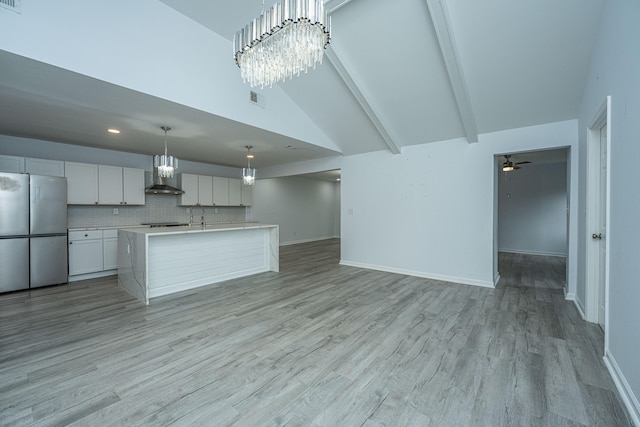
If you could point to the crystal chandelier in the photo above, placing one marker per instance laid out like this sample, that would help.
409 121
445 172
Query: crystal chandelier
165 164
286 39
249 173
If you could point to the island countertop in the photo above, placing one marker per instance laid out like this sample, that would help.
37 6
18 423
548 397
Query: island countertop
196 228
157 261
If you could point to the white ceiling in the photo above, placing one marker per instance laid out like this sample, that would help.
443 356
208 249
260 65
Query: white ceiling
396 74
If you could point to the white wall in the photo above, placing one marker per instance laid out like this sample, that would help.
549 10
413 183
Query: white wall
146 46
429 211
305 209
532 210
615 71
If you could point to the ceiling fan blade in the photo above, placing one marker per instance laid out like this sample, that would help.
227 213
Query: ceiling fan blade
516 167
523 163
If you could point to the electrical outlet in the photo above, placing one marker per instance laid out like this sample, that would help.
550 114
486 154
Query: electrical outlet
115 211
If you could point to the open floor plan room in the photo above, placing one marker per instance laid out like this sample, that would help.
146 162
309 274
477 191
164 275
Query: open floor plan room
317 344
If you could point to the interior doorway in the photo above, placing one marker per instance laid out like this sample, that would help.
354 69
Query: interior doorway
597 242
532 209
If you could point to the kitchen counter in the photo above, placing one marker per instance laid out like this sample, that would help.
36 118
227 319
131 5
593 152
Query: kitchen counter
157 261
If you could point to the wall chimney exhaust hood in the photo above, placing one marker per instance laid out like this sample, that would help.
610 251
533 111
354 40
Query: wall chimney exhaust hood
161 187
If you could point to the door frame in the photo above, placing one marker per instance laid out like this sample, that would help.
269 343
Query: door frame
602 117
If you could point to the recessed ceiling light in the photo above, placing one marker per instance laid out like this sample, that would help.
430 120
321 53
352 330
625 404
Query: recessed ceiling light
116 131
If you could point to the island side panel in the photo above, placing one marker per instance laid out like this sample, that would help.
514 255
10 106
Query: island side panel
132 254
177 262
273 246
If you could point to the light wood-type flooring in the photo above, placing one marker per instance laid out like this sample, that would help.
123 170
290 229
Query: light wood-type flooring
317 344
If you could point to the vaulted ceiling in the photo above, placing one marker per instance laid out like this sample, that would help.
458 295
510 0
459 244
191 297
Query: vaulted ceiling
396 74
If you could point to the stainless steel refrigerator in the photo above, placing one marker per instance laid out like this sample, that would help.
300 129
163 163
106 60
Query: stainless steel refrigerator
33 231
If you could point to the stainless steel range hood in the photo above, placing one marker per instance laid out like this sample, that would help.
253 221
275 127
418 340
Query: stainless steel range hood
160 186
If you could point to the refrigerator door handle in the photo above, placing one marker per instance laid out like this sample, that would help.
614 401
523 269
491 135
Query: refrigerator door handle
36 194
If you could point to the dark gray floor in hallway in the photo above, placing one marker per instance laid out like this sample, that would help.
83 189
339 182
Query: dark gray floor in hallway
317 344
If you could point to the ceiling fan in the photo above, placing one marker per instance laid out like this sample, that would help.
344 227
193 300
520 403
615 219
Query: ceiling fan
509 166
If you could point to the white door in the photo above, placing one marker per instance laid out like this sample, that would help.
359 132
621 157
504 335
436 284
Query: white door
601 236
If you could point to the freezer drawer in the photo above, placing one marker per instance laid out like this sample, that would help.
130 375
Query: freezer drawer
48 260
14 262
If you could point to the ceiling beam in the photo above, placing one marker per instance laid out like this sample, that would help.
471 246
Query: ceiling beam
332 5
444 33
334 58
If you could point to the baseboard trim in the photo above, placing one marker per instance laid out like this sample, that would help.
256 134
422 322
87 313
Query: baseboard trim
524 252
628 398
569 296
444 278
496 280
580 310
314 239
96 275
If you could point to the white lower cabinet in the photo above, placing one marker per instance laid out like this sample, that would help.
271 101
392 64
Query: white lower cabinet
85 252
93 252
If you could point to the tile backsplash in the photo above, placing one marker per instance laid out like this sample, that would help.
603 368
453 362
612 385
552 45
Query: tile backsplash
157 208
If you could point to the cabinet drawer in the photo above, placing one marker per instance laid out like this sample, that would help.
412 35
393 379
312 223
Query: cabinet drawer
108 234
85 235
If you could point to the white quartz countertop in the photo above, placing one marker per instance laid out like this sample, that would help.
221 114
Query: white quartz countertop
196 228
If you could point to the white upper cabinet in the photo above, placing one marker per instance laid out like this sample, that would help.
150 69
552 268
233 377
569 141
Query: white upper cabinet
202 190
205 190
120 186
133 186
82 183
89 184
11 164
220 191
189 184
198 190
109 185
235 192
44 167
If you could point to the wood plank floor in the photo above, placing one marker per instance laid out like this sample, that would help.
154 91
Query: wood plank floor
317 344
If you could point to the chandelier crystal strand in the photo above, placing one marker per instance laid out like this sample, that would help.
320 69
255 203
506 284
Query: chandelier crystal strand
249 173
165 164
287 39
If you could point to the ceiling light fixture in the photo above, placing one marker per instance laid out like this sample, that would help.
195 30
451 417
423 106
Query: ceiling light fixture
166 165
112 130
286 39
507 166
249 173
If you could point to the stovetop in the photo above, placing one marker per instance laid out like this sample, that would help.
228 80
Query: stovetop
163 224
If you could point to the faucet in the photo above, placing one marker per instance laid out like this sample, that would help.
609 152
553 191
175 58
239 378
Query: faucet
202 217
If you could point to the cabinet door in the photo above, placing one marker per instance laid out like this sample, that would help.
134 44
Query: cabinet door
220 191
85 256
247 195
109 185
110 253
44 167
133 186
82 183
235 191
11 164
205 190
189 184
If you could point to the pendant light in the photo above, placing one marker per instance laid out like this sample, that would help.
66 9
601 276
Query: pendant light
165 164
249 173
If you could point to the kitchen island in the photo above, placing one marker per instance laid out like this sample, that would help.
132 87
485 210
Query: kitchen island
160 261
